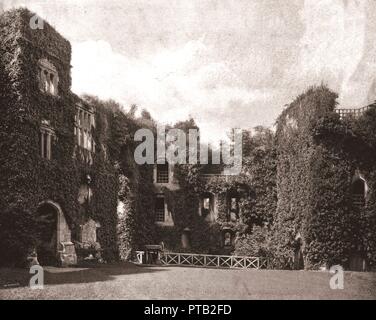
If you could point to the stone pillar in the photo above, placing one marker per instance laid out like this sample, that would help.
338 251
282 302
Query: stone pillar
66 251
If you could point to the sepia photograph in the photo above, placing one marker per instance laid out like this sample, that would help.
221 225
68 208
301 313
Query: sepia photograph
189 155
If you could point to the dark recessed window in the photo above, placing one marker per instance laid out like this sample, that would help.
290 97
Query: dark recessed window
83 130
162 173
46 135
48 77
160 209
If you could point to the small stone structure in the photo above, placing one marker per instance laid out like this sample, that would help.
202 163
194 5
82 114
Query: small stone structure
89 231
88 247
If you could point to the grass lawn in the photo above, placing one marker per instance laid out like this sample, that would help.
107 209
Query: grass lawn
128 281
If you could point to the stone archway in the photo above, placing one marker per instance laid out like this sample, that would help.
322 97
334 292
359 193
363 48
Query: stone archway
55 247
359 190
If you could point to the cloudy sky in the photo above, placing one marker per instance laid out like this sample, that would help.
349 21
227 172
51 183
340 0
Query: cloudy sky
227 63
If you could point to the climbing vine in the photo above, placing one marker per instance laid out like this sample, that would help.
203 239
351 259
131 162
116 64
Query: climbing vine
293 192
27 180
317 160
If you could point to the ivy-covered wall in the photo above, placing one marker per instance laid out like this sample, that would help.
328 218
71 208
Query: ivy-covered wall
363 146
254 188
27 179
294 190
317 160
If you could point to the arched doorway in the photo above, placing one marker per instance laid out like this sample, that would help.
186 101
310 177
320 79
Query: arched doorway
358 192
47 224
359 189
55 245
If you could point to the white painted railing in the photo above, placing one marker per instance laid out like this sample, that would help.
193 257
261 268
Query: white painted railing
208 260
353 113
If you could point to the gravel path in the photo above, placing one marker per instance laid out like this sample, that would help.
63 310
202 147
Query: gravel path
127 281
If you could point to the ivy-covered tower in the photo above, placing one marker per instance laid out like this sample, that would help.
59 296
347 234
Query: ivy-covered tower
49 168
325 184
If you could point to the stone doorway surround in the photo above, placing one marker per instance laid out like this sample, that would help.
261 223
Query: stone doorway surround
66 253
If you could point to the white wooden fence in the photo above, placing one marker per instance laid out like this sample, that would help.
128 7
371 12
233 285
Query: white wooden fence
208 260
353 113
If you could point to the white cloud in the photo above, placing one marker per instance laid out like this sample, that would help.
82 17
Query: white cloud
226 64
171 84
